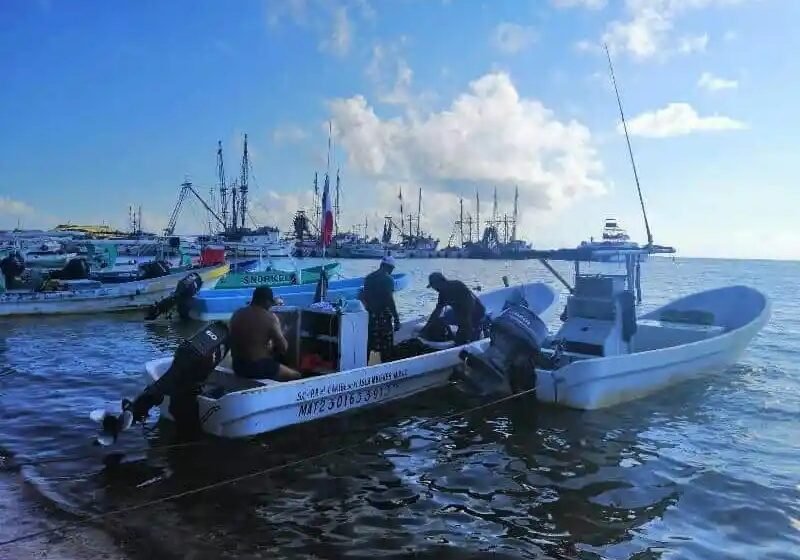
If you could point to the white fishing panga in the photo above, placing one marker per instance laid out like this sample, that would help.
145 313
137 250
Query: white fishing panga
199 384
90 296
604 355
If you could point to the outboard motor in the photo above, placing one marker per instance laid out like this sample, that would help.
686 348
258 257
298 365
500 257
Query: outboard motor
11 267
181 298
194 360
75 269
508 366
153 269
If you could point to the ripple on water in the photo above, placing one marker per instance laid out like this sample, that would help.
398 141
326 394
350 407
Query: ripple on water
707 469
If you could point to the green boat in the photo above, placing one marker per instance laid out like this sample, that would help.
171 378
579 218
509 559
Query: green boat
275 277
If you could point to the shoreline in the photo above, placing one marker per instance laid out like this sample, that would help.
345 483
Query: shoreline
23 511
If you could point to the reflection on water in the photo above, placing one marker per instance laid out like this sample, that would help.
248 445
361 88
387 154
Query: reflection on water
705 469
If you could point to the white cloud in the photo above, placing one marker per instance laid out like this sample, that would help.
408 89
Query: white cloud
16 212
391 74
272 207
288 134
589 4
329 20
11 207
340 37
295 10
678 119
691 44
510 38
489 136
647 31
586 46
712 83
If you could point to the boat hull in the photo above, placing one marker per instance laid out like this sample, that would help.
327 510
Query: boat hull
272 405
127 296
602 382
274 278
219 305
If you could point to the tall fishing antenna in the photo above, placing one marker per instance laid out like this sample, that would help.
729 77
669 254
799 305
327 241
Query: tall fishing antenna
630 150
328 165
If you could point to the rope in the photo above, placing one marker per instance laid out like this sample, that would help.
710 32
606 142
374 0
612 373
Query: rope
234 480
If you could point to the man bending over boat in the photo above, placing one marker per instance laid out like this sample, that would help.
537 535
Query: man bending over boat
378 298
468 309
255 337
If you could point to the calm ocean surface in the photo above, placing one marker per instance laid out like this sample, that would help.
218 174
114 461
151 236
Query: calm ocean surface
706 469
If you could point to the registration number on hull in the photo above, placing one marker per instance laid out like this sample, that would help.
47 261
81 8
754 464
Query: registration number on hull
344 401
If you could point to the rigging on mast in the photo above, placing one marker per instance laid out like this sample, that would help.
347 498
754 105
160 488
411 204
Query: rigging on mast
223 187
243 183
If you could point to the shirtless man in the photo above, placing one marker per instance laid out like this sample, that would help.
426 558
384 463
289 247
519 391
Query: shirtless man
255 336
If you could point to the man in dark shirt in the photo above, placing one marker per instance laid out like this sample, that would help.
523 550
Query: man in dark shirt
255 337
468 309
378 298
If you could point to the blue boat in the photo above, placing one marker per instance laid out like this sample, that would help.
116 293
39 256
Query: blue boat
219 305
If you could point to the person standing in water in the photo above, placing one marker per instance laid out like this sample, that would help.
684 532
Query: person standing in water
378 298
256 337
468 309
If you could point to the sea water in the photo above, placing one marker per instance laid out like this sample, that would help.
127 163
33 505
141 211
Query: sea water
706 469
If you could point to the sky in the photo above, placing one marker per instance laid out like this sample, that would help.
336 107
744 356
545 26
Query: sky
104 105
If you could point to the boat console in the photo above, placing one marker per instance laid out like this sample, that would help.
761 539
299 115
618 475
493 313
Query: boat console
324 339
600 316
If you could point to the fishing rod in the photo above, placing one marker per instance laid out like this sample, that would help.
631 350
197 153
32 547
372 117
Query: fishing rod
630 150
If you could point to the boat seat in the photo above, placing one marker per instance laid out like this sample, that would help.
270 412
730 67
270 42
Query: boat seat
242 382
702 328
653 334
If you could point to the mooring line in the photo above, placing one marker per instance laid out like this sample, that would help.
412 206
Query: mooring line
262 472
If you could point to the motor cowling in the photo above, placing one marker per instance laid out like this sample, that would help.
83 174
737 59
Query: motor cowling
508 365
75 269
194 360
153 269
181 297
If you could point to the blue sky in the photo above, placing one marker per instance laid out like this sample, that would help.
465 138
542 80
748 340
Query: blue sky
103 105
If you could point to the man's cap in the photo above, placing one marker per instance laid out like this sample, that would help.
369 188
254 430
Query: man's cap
263 294
388 260
434 278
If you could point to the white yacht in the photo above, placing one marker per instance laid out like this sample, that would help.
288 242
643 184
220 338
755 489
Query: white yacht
614 238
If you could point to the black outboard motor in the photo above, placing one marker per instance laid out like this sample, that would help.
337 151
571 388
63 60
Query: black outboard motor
194 360
181 298
508 366
11 267
153 269
75 269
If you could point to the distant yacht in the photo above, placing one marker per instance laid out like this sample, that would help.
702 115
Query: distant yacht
613 240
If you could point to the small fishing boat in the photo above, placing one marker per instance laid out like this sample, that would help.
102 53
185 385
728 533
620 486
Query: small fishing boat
219 305
275 277
232 407
90 296
48 255
604 355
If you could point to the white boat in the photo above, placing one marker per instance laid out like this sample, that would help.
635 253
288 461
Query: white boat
604 355
373 250
49 254
90 296
232 407
263 241
614 239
